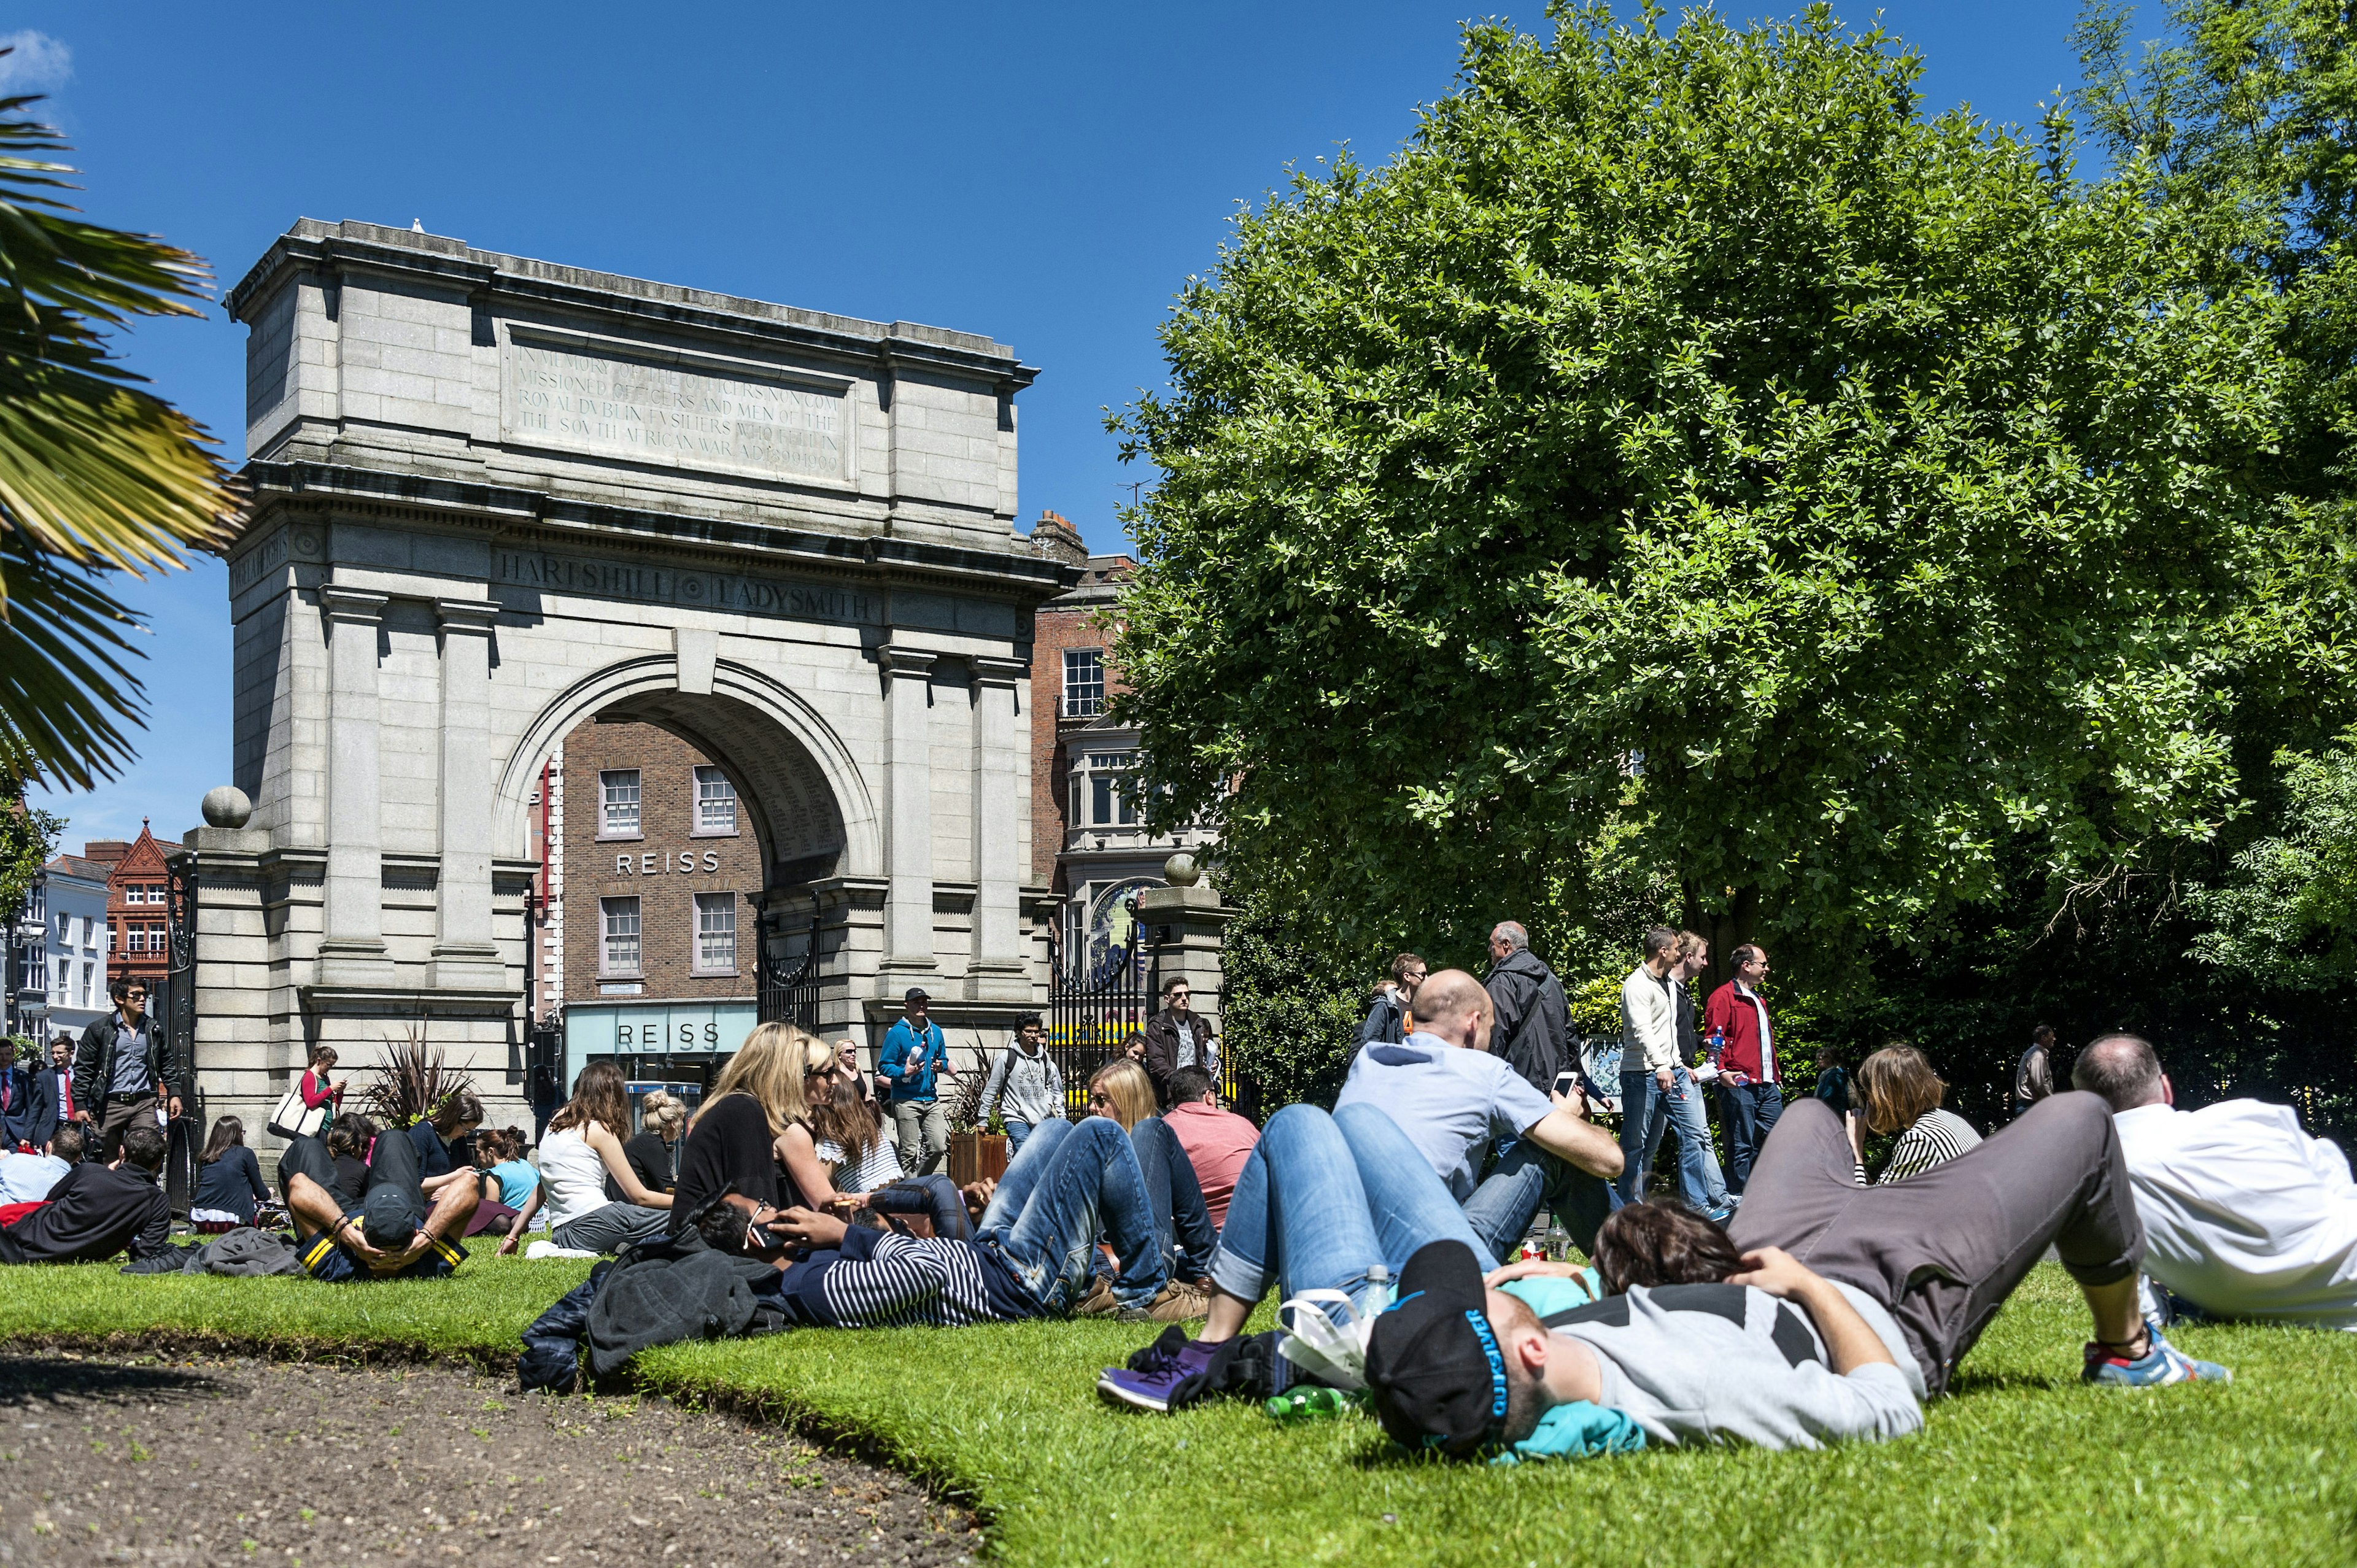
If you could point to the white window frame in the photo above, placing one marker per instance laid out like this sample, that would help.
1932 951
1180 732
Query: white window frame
1104 771
1084 699
609 911
699 777
703 905
606 803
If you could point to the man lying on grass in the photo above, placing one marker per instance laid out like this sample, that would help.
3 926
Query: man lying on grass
1706 1343
97 1210
391 1234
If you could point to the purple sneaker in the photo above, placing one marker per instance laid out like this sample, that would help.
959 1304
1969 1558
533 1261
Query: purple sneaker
1157 1376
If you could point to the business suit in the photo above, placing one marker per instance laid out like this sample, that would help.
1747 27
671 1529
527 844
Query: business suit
45 1108
16 1105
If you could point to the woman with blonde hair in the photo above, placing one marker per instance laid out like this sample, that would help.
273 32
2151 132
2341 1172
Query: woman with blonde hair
752 1140
581 1148
1900 1093
1182 1221
662 1115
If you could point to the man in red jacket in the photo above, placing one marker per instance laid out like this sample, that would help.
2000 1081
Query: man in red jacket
1747 1063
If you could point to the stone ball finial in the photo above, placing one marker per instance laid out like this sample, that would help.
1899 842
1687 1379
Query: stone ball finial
227 807
1180 870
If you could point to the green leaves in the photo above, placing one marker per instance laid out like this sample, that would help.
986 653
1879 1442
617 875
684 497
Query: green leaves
1681 436
95 474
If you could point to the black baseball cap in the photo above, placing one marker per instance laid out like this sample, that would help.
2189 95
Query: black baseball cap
1434 1364
916 993
388 1218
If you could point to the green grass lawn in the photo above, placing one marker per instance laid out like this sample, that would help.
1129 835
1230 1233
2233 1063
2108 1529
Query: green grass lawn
2022 1465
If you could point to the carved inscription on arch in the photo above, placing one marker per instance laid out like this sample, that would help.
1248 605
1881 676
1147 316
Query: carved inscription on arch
662 412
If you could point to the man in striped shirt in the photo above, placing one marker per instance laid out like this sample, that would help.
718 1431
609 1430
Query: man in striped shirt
1031 1256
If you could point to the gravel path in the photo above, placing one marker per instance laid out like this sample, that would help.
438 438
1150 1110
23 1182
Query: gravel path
225 1460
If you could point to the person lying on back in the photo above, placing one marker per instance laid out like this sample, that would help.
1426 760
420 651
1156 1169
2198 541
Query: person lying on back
392 1232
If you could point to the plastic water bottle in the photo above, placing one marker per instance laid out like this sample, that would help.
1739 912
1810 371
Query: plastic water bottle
1313 1404
1717 1044
1379 1291
1558 1242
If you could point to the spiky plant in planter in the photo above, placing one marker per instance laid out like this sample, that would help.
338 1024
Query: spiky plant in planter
414 1082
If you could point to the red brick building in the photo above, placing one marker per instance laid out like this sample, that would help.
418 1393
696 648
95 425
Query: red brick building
1088 844
137 905
654 899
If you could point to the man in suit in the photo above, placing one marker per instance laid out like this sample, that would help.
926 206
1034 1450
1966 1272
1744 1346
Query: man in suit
49 1102
16 1094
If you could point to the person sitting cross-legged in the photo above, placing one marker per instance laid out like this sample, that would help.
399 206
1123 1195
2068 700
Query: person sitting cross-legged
1452 1098
2245 1215
97 1210
391 1234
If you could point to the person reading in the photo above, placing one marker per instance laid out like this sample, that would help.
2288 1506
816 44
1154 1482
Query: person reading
2244 1214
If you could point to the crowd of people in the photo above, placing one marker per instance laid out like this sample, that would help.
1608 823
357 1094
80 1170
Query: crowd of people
1786 1298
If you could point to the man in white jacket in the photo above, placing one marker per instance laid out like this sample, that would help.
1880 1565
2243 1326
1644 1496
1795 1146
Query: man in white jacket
2244 1214
1649 1054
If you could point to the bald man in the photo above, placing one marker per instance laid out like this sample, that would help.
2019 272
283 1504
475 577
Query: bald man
1452 1099
2244 1214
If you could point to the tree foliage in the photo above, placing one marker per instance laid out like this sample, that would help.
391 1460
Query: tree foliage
96 475
2288 913
1683 437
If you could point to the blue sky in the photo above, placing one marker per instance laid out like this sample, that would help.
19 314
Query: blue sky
1047 174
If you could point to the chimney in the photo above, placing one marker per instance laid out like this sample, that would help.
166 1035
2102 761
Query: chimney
1055 537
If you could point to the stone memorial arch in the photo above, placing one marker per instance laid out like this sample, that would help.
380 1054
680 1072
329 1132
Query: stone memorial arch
494 497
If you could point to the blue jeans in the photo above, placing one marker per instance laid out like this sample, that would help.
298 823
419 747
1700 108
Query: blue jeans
1182 1221
1015 1132
1751 1111
1324 1199
1699 1183
1502 1207
1068 1184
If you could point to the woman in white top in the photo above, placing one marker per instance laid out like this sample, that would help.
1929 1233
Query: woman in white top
582 1147
847 1138
1900 1090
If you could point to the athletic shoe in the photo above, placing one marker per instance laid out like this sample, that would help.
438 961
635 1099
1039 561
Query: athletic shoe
1152 1379
1719 1216
2163 1363
1175 1303
1099 1302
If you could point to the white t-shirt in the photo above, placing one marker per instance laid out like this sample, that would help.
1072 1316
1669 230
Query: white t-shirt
1450 1101
573 1176
2244 1214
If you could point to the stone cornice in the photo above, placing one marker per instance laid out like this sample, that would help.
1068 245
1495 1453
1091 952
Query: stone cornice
491 278
1012 574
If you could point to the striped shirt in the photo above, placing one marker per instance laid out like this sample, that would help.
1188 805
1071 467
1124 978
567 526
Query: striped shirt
880 1279
1938 1136
881 1165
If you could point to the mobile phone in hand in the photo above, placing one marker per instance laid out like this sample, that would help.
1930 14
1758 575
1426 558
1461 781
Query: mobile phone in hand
1567 1081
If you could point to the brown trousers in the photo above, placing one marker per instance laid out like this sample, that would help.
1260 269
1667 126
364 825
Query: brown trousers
1943 1249
119 1117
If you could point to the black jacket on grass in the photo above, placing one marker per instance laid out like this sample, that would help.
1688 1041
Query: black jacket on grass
94 1212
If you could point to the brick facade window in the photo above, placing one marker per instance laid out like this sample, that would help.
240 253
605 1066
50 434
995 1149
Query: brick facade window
1109 805
617 951
619 792
716 802
715 933
1085 683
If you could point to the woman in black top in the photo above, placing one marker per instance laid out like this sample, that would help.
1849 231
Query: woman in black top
350 1138
649 1150
229 1179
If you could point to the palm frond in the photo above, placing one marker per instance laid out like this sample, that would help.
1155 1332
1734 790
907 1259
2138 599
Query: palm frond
414 1082
95 474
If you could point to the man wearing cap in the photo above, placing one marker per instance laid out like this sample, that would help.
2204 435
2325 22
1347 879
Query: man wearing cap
393 1234
909 1068
1754 1347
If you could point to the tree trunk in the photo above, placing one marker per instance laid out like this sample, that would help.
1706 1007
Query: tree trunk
1726 927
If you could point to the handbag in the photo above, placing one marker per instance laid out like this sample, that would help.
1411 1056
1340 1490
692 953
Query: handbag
292 1118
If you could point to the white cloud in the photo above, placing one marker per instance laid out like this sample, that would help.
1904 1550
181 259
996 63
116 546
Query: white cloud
40 63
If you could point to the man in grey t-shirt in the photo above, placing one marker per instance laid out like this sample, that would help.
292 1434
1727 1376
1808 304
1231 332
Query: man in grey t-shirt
1453 1098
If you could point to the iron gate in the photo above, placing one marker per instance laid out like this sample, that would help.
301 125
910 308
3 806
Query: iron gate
1090 1013
786 992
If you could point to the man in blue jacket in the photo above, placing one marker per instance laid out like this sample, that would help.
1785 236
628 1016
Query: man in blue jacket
914 1057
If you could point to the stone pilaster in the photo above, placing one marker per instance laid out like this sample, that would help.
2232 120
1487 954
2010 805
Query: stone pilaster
351 949
908 811
1001 837
466 956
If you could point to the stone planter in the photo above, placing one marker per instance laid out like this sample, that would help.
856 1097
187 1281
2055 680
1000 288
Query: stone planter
977 1156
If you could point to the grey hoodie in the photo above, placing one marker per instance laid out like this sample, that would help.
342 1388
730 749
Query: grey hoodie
1034 1089
1695 1364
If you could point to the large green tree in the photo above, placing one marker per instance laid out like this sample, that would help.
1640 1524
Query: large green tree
96 475
1685 438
